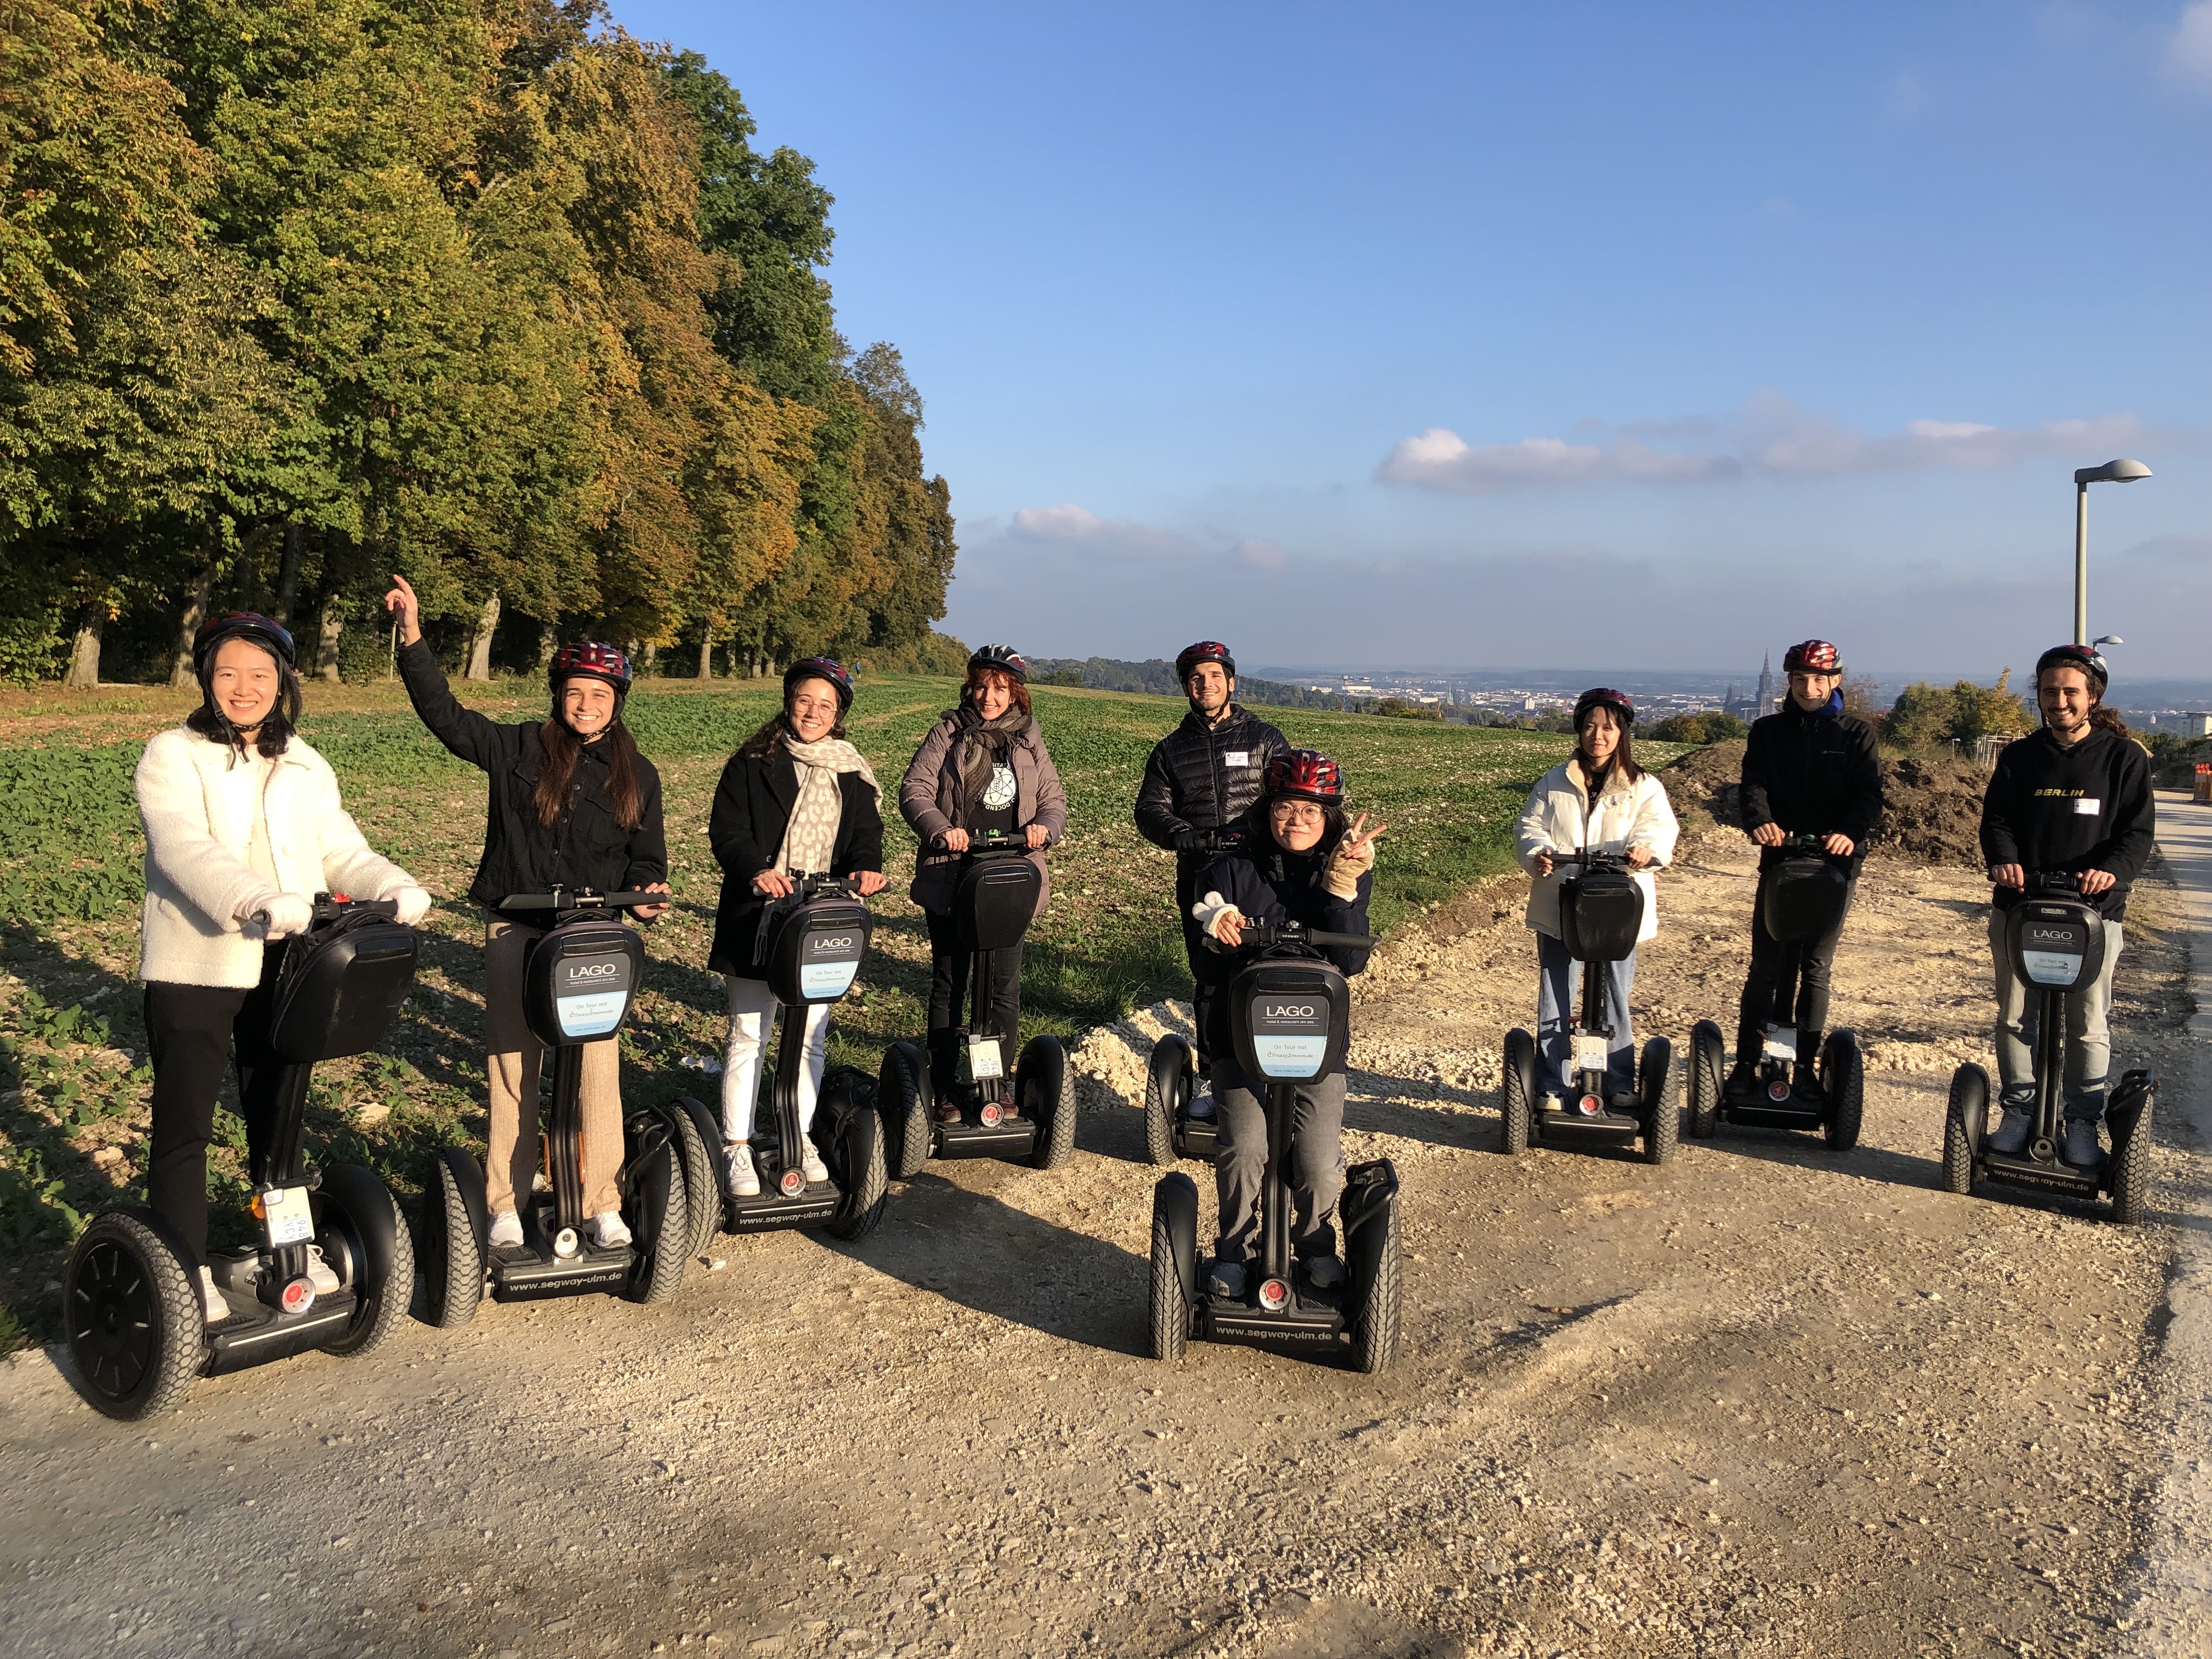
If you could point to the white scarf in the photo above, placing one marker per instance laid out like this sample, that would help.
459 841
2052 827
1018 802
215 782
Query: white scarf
810 840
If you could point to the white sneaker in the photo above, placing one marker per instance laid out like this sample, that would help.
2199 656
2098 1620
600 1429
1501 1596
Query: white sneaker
738 1169
812 1162
320 1273
213 1308
608 1231
507 1230
1550 1104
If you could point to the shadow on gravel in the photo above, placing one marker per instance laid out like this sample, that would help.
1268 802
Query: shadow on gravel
1388 1105
1346 1630
1804 1150
984 1254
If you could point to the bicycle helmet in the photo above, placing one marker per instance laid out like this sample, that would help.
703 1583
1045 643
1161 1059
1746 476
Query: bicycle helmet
2076 656
1604 697
821 668
1002 659
1304 774
1204 651
591 661
272 637
1812 657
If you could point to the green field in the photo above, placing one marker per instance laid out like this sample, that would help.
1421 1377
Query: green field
73 1080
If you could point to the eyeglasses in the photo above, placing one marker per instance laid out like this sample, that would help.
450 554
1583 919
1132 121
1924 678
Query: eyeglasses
1294 811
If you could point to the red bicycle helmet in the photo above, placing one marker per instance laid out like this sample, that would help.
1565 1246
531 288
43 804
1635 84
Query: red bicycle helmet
821 668
1002 659
1205 651
1604 697
1813 657
2076 656
1304 774
270 636
591 661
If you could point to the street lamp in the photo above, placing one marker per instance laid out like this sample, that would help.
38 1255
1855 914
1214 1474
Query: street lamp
2120 472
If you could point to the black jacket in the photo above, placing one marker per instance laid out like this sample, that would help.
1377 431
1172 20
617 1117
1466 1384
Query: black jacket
1205 777
752 808
1812 774
1274 886
586 846
2088 807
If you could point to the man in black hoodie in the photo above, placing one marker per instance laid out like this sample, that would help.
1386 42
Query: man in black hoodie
2074 797
1203 777
1809 769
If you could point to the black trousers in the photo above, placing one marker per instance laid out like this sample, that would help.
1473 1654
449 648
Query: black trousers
1786 979
950 967
189 1033
1210 970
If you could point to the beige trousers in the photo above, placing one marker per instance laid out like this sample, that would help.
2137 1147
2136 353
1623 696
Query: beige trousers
511 1066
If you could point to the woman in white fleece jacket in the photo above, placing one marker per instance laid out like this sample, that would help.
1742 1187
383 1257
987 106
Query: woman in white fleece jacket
243 828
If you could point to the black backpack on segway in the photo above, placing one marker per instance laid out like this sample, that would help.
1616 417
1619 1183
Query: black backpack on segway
1290 1019
2056 943
1030 1117
581 979
812 942
1805 895
1601 912
335 1269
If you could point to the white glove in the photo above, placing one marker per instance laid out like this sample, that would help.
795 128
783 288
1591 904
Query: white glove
414 903
283 914
1346 866
1209 911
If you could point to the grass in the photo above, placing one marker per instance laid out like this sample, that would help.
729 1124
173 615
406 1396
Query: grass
74 1079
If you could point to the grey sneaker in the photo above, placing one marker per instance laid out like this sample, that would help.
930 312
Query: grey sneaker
1325 1272
1229 1278
2011 1133
2081 1148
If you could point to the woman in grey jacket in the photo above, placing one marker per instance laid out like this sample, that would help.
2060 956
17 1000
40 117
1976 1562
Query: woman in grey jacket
982 769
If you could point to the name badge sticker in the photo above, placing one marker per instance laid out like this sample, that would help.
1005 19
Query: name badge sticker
2087 807
1237 757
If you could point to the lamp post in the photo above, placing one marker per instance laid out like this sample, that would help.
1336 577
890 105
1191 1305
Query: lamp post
2121 472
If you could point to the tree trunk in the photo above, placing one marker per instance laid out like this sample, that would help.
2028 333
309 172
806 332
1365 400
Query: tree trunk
548 642
707 652
480 645
188 627
84 650
288 575
327 642
645 661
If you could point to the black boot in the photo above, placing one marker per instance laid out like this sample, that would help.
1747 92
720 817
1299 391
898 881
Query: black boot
1807 1089
1743 1082
945 1074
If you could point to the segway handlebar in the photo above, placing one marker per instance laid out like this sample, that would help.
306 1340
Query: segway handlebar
993 843
565 899
329 907
2054 883
1265 935
1592 862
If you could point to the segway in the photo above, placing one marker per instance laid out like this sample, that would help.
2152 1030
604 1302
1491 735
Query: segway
811 941
1805 895
1600 913
334 1270
1030 1117
2058 946
579 981
1171 1077
1290 1019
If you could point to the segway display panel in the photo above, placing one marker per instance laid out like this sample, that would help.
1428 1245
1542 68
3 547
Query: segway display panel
2057 945
817 950
580 980
1804 899
1600 915
994 902
339 988
1289 1020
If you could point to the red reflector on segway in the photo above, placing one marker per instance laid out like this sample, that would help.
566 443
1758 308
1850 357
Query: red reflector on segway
297 1297
990 1115
1777 1090
1591 1106
1275 1295
793 1182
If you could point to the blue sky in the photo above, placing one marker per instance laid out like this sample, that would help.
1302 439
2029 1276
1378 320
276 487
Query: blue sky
1517 336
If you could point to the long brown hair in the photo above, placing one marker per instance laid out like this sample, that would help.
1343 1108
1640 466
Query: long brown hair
1624 758
561 747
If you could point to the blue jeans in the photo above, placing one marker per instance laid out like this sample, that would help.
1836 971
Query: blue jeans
1559 992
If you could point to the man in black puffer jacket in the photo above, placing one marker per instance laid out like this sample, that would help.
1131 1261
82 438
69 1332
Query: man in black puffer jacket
1809 769
1203 777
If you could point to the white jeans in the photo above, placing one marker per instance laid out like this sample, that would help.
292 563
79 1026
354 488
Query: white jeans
750 1005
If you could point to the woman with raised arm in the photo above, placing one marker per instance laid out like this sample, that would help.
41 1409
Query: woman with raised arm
797 798
572 804
244 827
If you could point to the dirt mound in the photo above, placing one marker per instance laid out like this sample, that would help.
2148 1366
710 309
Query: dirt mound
1933 802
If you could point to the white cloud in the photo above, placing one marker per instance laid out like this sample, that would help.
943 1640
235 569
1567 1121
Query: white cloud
1441 459
1259 554
2190 53
1065 523
1080 530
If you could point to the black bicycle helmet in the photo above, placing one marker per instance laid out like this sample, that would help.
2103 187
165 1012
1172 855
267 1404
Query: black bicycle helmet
821 668
1002 659
1205 651
2076 656
272 637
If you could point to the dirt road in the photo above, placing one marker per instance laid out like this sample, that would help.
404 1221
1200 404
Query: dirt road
1765 1400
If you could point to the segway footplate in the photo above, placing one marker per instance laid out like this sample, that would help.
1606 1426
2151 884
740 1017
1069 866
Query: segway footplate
255 1332
2011 1169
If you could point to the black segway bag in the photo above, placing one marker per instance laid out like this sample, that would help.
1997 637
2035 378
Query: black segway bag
993 905
2057 944
339 986
578 981
1804 899
1599 915
816 952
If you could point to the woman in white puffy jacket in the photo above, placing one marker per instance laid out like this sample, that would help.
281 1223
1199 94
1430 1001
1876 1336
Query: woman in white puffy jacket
1597 800
243 828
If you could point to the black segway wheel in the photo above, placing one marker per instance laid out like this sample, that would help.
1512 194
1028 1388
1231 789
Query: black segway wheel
1843 1081
356 1220
1047 1094
902 1096
703 1182
848 1110
454 1231
1175 1264
136 1334
655 1208
1708 1066
1167 1088
1516 1092
1662 1116
1375 1322
2130 1175
1965 1117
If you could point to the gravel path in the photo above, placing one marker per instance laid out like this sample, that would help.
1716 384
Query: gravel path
1766 1399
